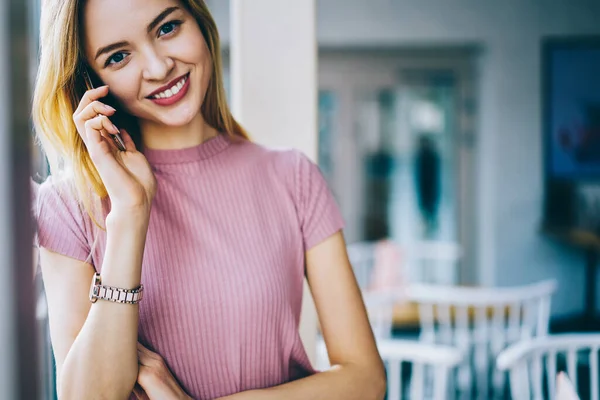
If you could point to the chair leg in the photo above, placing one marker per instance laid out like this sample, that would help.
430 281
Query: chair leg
394 380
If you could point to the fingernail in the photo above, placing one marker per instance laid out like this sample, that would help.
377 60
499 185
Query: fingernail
109 107
115 128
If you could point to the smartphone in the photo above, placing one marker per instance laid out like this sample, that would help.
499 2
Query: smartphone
115 137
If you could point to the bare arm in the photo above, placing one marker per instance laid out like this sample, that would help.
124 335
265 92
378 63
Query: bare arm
358 371
95 345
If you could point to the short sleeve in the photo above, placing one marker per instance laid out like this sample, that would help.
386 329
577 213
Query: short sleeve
320 216
60 224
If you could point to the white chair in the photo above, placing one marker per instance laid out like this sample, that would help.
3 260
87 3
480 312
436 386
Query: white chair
385 262
526 362
438 361
431 261
362 258
376 264
421 356
481 322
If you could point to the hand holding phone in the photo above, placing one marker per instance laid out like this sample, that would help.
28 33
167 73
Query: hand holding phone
126 174
116 137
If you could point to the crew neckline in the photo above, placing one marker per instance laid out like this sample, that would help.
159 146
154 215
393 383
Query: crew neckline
202 151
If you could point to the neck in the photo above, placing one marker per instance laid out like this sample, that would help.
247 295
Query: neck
161 137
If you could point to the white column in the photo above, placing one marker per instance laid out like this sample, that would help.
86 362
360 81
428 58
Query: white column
274 87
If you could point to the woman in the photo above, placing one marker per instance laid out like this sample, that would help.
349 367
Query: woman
220 231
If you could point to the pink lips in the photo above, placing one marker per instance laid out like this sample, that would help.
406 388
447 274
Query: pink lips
173 99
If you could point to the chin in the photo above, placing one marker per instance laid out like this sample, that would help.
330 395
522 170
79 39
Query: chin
176 118
181 118
175 123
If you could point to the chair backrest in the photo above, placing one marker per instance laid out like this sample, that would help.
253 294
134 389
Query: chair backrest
380 309
376 264
362 258
432 261
533 365
422 358
430 365
386 263
430 368
481 322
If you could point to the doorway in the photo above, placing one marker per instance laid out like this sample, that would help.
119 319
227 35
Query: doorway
397 143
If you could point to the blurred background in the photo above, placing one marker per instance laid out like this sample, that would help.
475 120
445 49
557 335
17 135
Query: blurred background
461 140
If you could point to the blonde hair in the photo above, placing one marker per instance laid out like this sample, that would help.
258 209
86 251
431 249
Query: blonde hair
59 87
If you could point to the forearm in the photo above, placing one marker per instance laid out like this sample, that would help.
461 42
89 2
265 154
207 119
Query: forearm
348 382
102 362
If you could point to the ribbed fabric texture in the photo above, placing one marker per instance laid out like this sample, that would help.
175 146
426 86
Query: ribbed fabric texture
224 260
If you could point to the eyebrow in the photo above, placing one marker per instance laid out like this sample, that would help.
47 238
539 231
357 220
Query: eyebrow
159 18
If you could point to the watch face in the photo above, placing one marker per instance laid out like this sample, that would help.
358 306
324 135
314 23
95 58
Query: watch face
94 288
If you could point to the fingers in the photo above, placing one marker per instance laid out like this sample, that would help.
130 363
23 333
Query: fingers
147 354
86 118
90 96
111 140
94 126
141 347
139 393
148 357
101 122
98 141
92 110
129 143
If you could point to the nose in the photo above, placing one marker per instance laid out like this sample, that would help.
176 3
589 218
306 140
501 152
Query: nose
157 66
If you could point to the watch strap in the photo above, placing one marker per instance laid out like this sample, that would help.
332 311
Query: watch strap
98 291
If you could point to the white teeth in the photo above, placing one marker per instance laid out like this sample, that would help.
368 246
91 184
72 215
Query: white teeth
172 91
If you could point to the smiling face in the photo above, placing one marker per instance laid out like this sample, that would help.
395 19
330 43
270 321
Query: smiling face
151 54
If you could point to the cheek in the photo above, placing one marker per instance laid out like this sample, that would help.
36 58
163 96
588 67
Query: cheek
206 73
206 66
191 48
192 52
126 94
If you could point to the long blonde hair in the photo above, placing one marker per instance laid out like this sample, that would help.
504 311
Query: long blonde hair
59 87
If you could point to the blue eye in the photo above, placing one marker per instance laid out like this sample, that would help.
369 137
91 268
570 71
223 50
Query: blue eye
169 27
116 58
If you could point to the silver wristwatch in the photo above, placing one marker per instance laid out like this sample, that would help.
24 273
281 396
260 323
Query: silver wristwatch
117 295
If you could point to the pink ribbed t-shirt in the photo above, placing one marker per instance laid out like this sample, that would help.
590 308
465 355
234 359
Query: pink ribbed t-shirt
224 260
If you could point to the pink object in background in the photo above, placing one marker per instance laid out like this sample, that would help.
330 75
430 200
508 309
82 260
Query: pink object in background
564 388
387 268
